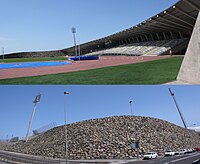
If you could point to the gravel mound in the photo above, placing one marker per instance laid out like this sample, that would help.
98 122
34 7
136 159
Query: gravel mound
110 138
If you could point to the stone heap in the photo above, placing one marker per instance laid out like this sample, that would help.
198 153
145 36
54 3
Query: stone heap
4 144
110 138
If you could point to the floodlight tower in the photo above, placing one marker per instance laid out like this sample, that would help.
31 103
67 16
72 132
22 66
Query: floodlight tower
79 49
37 99
2 52
178 108
74 36
130 102
65 126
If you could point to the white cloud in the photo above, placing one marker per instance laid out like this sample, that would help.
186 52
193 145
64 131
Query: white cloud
197 129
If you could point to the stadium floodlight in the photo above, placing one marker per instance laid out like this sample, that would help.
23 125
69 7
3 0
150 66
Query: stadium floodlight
73 30
65 126
179 111
74 36
79 49
130 102
37 99
174 7
165 11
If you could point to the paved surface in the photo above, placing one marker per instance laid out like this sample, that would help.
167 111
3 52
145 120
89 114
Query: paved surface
183 159
10 157
104 61
178 82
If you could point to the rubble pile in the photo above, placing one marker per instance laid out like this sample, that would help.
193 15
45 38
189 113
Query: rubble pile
109 138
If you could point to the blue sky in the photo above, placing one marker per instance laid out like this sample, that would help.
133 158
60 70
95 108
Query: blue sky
32 25
87 102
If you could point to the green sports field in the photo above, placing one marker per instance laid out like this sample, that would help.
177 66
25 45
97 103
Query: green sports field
153 72
32 59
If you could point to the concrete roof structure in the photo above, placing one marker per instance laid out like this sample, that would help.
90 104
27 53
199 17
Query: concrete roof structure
175 22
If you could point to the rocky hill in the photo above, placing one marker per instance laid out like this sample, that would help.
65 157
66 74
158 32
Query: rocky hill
110 138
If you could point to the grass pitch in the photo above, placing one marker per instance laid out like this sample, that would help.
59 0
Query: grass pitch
31 59
153 72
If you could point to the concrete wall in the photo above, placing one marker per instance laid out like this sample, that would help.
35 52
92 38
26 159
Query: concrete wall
190 69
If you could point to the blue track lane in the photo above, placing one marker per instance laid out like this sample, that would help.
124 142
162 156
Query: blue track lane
33 64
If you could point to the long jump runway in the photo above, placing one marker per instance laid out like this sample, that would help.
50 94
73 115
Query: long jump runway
104 61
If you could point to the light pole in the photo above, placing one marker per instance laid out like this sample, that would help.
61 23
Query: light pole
79 49
3 53
130 102
74 36
37 99
179 110
65 120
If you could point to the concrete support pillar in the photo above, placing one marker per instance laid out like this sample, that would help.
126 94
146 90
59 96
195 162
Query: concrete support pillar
141 38
181 36
190 69
158 36
146 38
130 40
172 36
134 40
164 36
152 37
138 40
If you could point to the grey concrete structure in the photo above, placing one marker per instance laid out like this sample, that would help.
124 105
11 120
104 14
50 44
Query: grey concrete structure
173 23
176 22
190 69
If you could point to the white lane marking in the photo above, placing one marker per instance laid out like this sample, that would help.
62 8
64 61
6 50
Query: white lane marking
151 162
118 162
184 158
196 161
164 159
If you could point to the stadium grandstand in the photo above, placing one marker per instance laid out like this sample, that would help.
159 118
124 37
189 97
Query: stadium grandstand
168 32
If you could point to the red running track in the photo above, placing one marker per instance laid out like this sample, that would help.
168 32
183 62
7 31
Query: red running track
104 61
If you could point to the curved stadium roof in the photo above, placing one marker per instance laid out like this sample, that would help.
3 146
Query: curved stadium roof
179 20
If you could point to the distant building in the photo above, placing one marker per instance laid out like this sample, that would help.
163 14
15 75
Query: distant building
14 139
